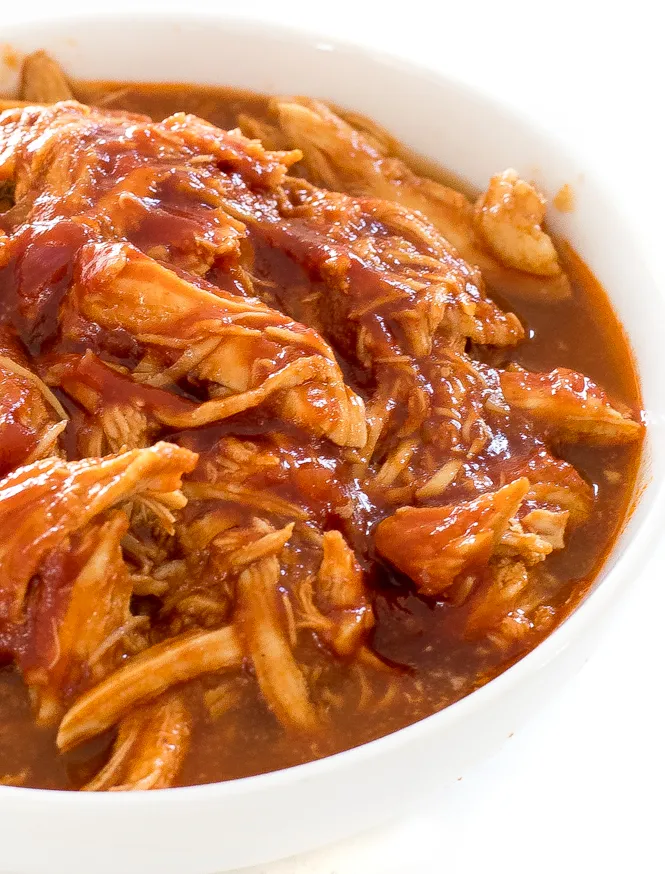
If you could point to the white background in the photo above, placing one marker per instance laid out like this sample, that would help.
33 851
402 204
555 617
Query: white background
581 787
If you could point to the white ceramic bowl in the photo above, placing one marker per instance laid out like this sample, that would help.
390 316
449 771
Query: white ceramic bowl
205 829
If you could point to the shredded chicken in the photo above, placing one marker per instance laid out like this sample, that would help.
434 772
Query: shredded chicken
436 545
507 609
508 582
31 417
281 680
548 526
251 352
257 404
337 607
557 487
44 503
145 677
571 406
509 216
98 605
149 750
504 225
530 547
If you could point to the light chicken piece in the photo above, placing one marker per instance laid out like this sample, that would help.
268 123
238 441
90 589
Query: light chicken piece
270 135
570 406
149 750
536 535
509 217
337 607
265 636
31 417
200 533
83 620
146 676
386 267
45 146
43 80
557 488
493 604
43 149
121 413
435 546
549 526
251 551
16 124
252 353
44 503
508 607
502 232
527 545
248 496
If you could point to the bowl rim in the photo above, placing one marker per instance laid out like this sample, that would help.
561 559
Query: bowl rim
632 559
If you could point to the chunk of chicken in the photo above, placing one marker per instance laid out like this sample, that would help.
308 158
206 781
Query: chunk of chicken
386 267
508 608
150 748
556 487
44 503
339 157
83 619
435 546
509 216
31 417
338 607
265 636
146 676
269 545
275 476
247 496
41 150
46 147
121 412
569 405
535 535
492 605
252 353
43 80
548 525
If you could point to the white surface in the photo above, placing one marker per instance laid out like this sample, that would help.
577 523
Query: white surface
580 786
